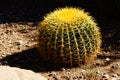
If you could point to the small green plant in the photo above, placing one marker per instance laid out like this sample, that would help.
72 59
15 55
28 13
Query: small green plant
91 75
68 36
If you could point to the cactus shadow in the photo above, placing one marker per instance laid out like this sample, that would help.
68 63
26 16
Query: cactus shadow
28 59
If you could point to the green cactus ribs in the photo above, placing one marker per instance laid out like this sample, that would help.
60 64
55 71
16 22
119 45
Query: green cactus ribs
68 36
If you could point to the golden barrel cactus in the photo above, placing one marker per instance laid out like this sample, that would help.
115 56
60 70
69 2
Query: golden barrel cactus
68 36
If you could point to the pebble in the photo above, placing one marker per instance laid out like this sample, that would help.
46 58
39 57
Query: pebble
56 77
3 55
14 73
118 74
20 41
107 59
115 66
30 23
63 69
115 78
114 75
17 43
66 77
106 76
99 63
83 73
52 73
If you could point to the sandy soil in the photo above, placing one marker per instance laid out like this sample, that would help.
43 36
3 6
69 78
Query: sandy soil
18 48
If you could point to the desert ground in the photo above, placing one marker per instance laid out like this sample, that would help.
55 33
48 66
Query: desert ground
18 48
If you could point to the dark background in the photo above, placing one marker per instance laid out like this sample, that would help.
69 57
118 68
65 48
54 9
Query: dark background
105 12
34 10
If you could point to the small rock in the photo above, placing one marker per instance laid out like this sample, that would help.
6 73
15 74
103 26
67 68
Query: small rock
27 45
107 59
106 76
30 23
63 69
115 66
81 77
56 77
99 63
33 28
115 78
114 75
7 72
20 41
66 77
118 74
83 73
52 73
98 71
3 55
22 29
17 43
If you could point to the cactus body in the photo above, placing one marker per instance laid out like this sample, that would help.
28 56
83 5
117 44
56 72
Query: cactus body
68 36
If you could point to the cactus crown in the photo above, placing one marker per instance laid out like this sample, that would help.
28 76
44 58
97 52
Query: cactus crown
68 15
68 35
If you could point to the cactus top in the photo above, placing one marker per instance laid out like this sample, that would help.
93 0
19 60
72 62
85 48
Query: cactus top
68 16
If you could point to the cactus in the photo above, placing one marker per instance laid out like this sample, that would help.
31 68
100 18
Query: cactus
68 36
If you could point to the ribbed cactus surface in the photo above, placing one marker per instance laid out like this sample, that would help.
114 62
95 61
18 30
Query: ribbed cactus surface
68 36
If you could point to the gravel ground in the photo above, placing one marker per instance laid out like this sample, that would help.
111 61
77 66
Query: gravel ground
18 49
